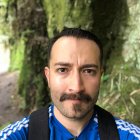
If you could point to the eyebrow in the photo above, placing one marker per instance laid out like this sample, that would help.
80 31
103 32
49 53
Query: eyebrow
89 66
62 64
83 66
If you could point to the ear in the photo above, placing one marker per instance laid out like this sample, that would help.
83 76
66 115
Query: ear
47 74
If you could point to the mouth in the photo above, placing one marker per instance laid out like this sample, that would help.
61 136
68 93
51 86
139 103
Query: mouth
74 101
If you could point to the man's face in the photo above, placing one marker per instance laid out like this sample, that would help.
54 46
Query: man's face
74 76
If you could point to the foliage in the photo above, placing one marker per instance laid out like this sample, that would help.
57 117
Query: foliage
120 89
3 126
4 25
119 93
15 45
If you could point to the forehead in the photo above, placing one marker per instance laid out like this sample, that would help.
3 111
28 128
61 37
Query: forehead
67 41
72 47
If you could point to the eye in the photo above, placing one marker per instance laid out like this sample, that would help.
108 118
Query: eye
91 72
62 70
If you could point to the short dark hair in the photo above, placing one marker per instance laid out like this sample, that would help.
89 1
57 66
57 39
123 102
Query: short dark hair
78 33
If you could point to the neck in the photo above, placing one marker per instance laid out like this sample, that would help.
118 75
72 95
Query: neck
74 126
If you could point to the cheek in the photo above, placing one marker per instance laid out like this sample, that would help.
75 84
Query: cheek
57 85
55 89
93 86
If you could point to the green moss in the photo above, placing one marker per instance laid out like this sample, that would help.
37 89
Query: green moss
40 95
56 12
24 79
17 55
62 13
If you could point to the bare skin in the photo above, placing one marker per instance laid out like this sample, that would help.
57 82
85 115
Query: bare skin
74 77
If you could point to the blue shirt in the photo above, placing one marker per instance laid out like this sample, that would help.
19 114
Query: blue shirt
19 130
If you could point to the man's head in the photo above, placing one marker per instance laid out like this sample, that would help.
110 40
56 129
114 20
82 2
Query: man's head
77 33
74 72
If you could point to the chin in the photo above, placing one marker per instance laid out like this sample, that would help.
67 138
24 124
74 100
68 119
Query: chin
76 111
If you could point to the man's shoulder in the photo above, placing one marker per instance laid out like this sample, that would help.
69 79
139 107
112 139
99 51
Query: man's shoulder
17 130
128 129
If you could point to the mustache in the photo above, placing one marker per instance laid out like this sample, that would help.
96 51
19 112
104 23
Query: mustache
75 96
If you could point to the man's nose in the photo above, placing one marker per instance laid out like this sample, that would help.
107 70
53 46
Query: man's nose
76 83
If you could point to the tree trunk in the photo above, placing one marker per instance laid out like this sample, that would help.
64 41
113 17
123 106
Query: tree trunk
31 22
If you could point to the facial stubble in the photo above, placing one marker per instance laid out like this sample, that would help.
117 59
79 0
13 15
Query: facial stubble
80 109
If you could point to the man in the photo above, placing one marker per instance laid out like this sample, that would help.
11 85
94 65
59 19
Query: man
74 72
